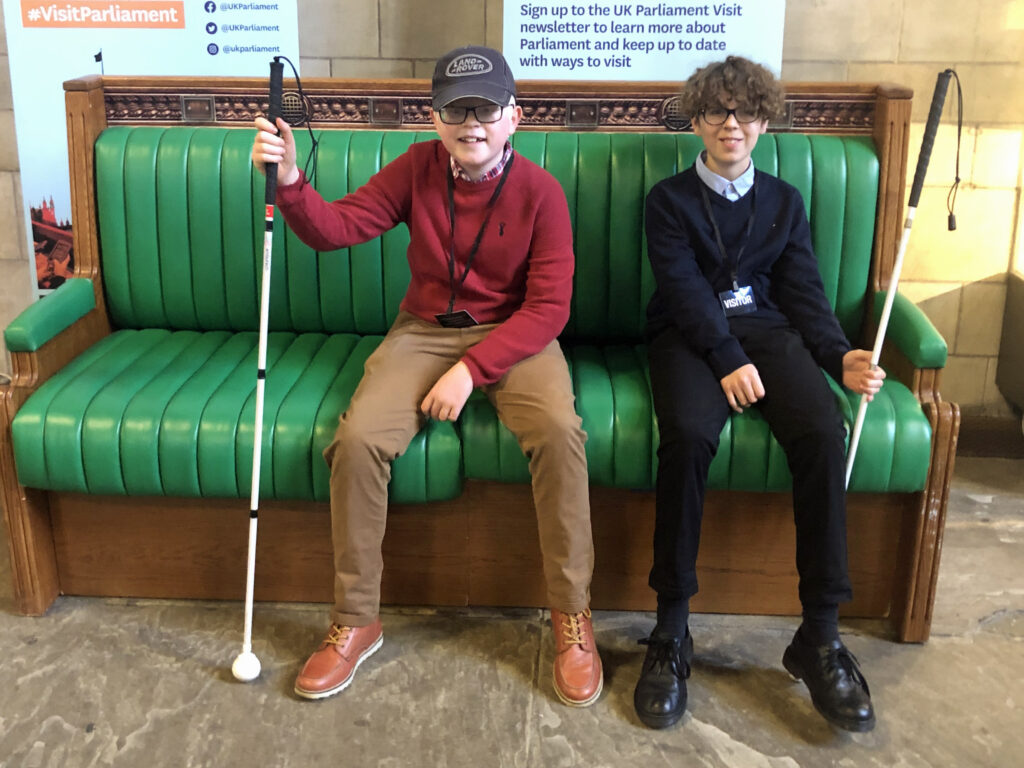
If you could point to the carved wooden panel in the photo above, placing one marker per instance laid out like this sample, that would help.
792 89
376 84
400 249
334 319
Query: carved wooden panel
364 107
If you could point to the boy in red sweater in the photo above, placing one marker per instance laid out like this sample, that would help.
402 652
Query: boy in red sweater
491 265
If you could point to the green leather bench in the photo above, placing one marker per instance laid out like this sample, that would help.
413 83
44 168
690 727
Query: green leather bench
162 406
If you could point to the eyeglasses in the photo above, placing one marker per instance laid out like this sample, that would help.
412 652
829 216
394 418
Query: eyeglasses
718 115
485 113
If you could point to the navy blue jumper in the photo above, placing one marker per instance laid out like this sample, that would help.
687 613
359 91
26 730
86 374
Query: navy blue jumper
692 345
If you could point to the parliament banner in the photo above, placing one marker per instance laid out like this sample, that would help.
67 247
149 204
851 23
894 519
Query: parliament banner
50 42
615 40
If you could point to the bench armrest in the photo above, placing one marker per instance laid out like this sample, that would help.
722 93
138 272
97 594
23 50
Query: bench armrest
44 319
912 332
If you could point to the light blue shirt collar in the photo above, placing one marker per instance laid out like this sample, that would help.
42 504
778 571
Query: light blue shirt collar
730 190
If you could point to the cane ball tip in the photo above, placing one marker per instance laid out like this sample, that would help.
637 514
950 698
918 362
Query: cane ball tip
246 667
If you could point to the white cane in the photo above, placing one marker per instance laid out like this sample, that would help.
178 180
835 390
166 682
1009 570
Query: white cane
247 666
931 127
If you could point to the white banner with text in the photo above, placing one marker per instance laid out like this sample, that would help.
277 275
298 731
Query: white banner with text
50 42
616 40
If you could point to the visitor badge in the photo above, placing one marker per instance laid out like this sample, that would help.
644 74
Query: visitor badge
739 301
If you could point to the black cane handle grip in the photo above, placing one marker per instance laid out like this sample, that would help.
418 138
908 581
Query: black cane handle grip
930 129
274 112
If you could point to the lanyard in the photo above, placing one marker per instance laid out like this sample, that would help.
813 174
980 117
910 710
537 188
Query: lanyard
734 266
479 235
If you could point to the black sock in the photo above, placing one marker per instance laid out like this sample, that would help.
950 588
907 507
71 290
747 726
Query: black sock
673 615
820 624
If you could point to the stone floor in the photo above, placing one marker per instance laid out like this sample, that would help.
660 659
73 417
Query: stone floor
147 683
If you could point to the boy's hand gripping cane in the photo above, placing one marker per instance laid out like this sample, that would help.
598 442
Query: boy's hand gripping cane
938 99
247 666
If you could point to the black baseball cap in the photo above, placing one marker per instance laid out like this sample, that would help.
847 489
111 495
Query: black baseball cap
472 71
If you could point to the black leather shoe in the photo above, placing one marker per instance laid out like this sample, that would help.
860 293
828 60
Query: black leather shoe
838 689
660 695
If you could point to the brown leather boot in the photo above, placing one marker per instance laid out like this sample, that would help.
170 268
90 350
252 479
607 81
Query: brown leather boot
333 665
578 674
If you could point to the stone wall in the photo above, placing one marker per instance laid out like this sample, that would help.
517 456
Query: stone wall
15 268
958 278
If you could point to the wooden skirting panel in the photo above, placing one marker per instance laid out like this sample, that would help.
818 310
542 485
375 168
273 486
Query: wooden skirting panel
479 549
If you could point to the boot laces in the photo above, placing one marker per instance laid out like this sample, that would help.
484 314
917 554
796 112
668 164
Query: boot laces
338 634
572 627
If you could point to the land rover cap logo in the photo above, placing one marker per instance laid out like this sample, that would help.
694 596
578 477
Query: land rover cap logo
472 71
468 64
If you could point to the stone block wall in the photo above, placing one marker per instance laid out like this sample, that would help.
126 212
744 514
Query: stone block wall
15 268
958 278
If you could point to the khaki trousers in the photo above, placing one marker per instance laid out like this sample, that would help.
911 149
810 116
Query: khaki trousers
534 400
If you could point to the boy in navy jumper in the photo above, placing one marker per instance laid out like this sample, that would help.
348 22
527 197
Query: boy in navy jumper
739 319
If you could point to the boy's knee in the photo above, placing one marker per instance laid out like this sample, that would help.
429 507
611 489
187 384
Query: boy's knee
823 438
687 433
355 438
687 447
554 430
561 426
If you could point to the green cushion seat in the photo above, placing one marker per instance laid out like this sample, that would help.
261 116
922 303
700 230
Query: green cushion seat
165 405
158 412
612 398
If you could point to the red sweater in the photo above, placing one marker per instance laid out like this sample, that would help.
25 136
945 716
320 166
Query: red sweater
521 276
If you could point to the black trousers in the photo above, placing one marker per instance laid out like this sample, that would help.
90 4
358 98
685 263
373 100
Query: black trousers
803 415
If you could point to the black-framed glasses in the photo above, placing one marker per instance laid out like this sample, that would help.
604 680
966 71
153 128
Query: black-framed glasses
485 113
718 115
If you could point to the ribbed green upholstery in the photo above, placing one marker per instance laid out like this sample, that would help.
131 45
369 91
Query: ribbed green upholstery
159 412
165 404
838 178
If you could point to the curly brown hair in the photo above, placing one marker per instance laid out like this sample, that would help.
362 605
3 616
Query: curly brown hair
753 87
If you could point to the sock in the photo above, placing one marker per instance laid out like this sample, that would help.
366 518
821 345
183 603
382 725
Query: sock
673 615
820 624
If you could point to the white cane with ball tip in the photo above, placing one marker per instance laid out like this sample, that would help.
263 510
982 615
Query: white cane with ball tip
247 666
931 127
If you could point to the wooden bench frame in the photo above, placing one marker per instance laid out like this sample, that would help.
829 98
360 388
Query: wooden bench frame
480 549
